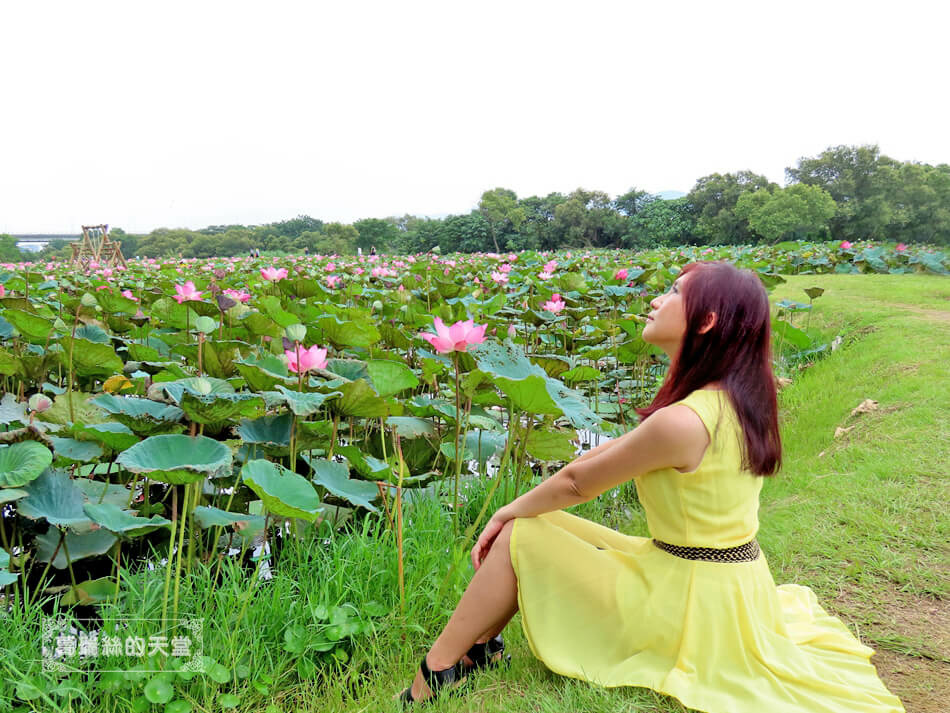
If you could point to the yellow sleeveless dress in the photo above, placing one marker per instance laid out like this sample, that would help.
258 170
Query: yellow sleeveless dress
721 637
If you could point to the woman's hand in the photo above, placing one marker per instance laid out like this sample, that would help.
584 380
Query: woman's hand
487 538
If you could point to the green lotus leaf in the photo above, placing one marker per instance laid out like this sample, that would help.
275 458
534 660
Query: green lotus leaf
283 492
359 400
8 495
272 307
335 477
409 427
92 591
260 325
793 335
117 520
214 517
97 491
55 498
390 377
72 451
143 416
12 411
173 314
9 363
198 386
21 463
116 304
553 364
6 577
114 436
357 332
552 445
269 431
264 373
89 358
32 327
177 458
218 408
520 380
83 411
246 525
93 333
304 403
484 444
574 407
81 546
581 373
349 369
365 464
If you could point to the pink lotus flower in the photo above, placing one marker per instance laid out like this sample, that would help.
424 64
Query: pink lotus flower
900 247
330 267
505 268
333 281
545 275
274 274
621 274
303 360
512 331
845 245
3 290
187 292
550 266
499 278
128 294
238 295
555 304
456 338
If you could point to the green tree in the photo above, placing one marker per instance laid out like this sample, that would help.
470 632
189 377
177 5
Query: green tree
540 230
798 211
501 209
465 233
920 202
376 232
854 177
661 223
713 201
9 252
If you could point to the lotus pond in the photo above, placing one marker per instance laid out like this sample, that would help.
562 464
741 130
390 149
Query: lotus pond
171 420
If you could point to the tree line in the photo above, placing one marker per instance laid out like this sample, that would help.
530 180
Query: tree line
845 193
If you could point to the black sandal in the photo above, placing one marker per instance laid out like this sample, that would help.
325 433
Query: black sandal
435 680
482 655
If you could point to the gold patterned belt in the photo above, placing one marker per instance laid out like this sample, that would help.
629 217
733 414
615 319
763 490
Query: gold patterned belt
749 552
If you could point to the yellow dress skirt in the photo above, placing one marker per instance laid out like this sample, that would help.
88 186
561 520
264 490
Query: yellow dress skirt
721 637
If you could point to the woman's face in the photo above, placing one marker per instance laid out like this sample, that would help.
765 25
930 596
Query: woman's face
666 323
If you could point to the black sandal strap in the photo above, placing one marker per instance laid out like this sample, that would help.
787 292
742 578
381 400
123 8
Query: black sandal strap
437 679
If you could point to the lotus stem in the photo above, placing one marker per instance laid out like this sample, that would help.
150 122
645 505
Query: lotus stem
171 549
399 549
201 342
457 457
69 565
181 546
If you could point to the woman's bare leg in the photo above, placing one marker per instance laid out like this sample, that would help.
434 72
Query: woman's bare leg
489 602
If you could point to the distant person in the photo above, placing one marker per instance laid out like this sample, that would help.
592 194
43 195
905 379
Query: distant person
692 611
372 250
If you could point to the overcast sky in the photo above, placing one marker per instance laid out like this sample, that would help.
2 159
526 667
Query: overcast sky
187 114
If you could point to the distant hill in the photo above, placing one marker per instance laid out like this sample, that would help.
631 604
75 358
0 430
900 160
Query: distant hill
670 195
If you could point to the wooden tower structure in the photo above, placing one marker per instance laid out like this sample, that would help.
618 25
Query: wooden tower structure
96 246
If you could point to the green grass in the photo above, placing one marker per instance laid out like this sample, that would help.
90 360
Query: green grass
859 519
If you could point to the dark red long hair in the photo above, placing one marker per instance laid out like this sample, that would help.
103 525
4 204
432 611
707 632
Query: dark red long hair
736 351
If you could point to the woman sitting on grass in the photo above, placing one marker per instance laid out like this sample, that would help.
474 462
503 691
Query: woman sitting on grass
693 612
